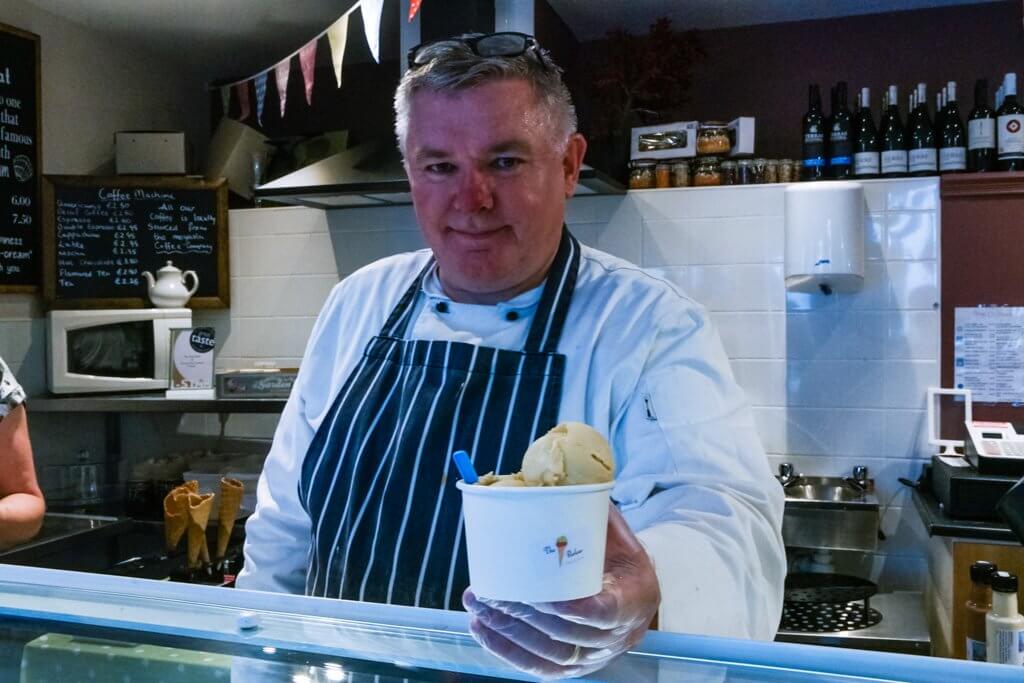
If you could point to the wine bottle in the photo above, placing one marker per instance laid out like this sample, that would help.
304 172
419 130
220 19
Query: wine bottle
1010 128
953 137
827 125
941 98
894 140
911 113
813 166
840 146
923 153
866 143
981 131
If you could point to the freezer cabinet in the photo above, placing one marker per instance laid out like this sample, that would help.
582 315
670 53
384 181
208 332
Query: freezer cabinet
63 626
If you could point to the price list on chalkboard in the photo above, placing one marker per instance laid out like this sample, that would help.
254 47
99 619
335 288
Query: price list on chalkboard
101 235
98 240
19 159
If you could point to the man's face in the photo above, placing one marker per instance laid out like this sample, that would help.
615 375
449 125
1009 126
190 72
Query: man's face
489 183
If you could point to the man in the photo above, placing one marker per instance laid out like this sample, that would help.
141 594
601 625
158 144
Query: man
21 502
504 327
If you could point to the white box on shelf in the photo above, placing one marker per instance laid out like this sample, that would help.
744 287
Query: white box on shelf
664 141
742 136
140 152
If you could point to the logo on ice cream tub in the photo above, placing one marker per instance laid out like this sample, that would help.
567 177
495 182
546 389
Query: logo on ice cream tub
565 553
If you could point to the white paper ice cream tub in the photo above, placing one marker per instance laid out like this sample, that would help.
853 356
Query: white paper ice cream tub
536 543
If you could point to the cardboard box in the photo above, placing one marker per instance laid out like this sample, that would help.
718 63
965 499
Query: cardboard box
140 152
664 141
741 131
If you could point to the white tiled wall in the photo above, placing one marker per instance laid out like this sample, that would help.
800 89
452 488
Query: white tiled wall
834 381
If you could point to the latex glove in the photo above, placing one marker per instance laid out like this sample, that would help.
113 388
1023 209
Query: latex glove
576 637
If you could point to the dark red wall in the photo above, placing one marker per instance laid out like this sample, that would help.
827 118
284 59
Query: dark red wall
763 71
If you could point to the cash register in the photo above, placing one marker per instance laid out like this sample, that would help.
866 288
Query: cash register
970 485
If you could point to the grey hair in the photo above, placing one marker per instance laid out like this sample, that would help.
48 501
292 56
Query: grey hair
453 66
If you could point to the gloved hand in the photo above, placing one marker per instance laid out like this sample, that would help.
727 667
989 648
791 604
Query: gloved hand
575 637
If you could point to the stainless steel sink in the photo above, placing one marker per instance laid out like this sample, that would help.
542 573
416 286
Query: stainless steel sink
829 492
833 513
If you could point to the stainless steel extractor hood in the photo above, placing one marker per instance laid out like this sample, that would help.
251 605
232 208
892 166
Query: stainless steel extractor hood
371 174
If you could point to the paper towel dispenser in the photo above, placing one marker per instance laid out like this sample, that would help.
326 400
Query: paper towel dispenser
825 237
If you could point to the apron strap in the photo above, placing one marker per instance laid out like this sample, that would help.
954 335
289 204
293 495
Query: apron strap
398 321
548 321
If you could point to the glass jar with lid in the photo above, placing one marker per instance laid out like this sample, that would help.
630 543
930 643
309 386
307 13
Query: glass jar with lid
641 174
787 171
663 174
745 172
760 169
713 138
729 172
680 172
707 172
771 171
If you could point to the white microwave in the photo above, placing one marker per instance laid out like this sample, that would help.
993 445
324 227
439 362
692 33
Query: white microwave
111 350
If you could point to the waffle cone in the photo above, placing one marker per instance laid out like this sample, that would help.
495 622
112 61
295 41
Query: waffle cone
191 486
199 507
231 492
175 518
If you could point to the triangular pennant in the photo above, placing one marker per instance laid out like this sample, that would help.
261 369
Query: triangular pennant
281 72
243 99
225 98
414 7
261 95
371 24
337 35
307 58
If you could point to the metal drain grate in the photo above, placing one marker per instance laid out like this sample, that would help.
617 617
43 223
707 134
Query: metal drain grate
824 617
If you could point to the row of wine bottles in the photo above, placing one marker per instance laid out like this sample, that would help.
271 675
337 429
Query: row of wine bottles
848 145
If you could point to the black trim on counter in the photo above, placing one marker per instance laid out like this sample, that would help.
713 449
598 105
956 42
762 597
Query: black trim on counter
938 523
151 403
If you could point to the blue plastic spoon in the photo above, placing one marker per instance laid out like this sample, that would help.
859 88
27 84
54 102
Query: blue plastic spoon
465 467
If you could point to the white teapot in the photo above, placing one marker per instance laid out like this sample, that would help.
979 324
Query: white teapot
168 290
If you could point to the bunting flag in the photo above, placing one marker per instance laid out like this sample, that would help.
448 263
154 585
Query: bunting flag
371 10
243 99
225 98
281 72
261 95
337 35
307 59
414 7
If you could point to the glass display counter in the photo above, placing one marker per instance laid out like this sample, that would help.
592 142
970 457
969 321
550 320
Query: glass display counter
64 627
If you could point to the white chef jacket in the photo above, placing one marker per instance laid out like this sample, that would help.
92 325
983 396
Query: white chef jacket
644 367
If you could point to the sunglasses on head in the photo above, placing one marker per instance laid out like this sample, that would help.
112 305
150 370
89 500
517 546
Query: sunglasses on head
504 44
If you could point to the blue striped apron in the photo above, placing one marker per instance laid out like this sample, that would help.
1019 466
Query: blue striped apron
378 481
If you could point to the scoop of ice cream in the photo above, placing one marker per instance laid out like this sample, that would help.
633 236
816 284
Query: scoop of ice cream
492 479
570 453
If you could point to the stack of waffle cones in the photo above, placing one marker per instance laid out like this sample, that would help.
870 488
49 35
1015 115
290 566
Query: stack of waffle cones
185 509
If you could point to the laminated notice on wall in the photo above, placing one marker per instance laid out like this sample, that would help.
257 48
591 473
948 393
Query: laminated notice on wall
988 353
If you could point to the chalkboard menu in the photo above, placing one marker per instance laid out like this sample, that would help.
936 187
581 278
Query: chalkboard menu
101 234
19 160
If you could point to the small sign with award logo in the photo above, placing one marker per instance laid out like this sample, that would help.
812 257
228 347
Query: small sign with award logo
191 372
